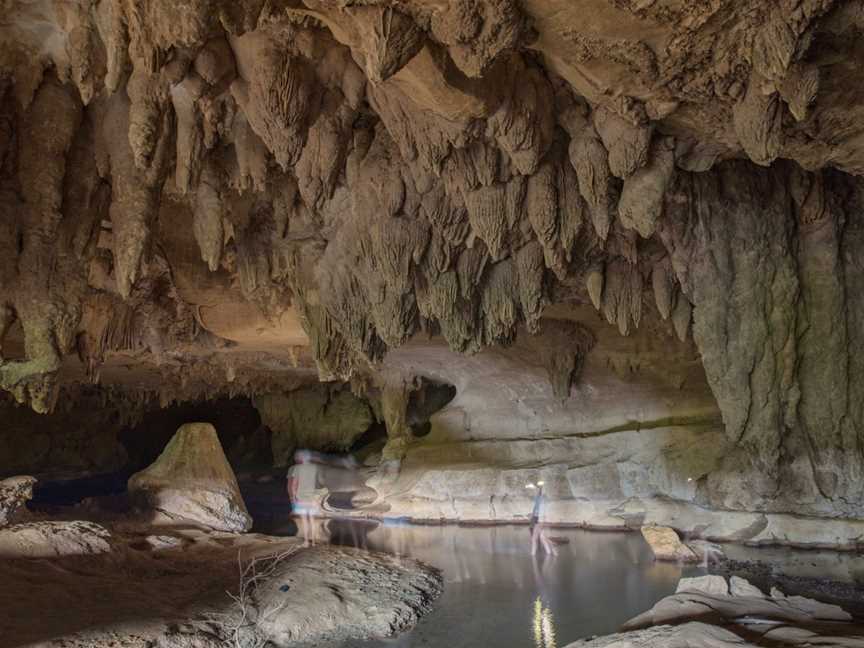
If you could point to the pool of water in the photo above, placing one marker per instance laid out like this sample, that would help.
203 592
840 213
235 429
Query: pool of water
497 594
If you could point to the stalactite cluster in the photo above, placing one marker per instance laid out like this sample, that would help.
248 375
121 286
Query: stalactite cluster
385 169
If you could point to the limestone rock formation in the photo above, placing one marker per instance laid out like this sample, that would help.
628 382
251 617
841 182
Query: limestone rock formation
192 481
15 492
185 593
219 198
666 545
704 612
323 596
317 418
53 539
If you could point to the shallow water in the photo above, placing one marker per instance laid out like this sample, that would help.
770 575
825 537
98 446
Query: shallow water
497 593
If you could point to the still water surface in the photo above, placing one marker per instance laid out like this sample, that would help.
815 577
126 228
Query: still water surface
497 594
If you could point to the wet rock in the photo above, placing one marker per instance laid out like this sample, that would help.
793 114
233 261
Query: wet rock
706 551
712 585
741 587
739 616
370 595
666 545
192 481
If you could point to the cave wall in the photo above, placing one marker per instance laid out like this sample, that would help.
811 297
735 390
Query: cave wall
324 417
98 432
75 440
640 440
237 198
639 423
777 320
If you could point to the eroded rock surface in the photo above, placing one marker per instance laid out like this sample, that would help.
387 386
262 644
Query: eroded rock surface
15 492
220 198
704 612
326 595
666 545
46 539
185 581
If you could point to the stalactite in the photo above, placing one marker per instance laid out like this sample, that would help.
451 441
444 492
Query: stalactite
664 287
627 143
758 120
590 160
641 203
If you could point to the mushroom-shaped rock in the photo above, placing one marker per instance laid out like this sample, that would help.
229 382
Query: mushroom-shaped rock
192 480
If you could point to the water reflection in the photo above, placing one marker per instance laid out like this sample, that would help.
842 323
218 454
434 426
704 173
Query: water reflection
544 626
496 592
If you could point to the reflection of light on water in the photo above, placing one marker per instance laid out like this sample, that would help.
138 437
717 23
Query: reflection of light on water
544 626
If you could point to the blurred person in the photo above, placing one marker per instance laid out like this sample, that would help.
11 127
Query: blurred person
302 487
539 536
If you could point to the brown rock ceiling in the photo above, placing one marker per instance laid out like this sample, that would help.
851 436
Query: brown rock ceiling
198 196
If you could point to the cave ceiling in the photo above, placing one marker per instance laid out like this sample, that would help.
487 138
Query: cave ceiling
241 196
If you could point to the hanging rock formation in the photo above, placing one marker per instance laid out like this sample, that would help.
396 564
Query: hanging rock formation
241 197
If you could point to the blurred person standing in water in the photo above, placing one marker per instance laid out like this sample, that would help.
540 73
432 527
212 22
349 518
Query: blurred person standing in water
302 484
539 538
314 478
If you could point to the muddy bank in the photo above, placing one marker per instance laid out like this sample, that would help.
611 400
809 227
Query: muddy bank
181 587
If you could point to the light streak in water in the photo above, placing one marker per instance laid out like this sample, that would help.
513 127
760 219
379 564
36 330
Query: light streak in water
544 626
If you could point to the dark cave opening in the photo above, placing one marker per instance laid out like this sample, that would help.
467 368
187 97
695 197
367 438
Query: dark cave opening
233 418
236 420
431 397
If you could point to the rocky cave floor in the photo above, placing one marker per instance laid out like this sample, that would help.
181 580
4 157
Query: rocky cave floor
173 587
191 554
763 574
178 559
135 584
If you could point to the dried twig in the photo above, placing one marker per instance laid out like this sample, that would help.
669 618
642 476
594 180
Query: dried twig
241 625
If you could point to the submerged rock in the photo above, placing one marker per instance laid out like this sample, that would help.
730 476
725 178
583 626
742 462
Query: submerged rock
192 481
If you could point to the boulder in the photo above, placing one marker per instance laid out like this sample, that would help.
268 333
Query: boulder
53 539
15 492
742 587
192 481
706 551
666 544
326 595
709 599
712 585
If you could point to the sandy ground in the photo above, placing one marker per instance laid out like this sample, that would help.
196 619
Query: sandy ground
168 588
